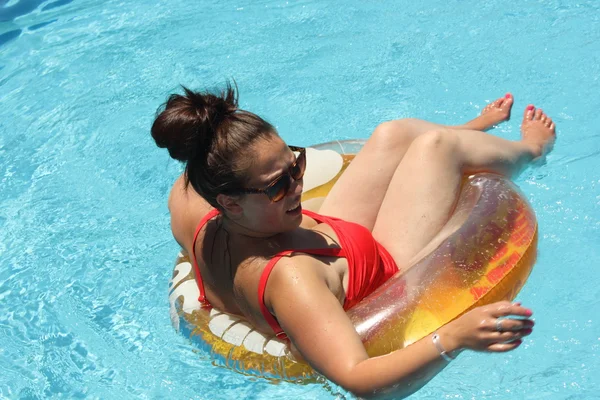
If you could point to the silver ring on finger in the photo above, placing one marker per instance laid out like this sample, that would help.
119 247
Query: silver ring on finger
499 325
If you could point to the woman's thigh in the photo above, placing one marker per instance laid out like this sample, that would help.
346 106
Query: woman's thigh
421 196
359 193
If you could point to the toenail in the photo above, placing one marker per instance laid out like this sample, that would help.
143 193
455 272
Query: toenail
508 95
530 107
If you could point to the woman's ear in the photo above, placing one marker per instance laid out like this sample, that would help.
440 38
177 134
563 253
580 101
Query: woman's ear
230 204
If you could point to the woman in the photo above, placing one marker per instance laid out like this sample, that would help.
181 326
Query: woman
294 272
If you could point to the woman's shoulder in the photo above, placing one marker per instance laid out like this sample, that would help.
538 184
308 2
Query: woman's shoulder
273 273
183 195
187 208
261 275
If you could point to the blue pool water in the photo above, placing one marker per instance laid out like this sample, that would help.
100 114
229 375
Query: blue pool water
85 246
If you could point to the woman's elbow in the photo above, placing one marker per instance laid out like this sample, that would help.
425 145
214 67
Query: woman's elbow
394 392
360 390
367 389
370 393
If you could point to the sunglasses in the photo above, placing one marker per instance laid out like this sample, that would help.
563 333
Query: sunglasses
277 189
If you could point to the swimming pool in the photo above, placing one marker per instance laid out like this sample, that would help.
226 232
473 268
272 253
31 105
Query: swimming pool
85 246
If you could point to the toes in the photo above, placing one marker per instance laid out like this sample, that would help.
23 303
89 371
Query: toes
538 114
496 103
507 101
548 122
529 112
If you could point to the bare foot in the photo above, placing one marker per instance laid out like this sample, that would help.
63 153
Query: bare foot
494 113
537 131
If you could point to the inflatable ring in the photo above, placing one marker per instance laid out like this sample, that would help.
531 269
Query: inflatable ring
484 254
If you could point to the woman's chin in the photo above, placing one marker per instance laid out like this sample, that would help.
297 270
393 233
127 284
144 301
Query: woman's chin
293 218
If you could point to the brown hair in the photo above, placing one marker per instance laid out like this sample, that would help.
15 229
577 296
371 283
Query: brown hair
210 134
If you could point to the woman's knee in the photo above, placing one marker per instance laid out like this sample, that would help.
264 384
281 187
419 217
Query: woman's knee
394 133
437 141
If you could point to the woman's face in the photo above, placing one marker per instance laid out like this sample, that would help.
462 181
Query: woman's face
271 158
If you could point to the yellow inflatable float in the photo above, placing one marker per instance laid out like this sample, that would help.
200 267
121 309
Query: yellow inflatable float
484 254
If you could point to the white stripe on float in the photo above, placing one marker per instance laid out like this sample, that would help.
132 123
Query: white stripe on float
189 291
255 342
236 334
183 269
275 348
321 167
219 324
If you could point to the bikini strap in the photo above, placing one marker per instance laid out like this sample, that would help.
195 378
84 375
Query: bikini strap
202 298
317 217
262 284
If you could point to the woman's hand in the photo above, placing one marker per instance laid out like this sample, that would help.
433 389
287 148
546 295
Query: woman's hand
489 328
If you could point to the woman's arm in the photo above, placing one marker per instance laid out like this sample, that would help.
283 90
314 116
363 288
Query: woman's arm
318 326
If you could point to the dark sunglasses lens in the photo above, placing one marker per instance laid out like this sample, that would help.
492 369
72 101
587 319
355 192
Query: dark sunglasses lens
297 170
279 189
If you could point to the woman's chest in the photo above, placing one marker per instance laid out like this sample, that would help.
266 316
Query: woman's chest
316 249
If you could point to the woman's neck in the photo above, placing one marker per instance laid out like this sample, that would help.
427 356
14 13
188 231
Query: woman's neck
234 227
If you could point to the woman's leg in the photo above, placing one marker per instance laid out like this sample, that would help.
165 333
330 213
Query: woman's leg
424 188
358 194
492 114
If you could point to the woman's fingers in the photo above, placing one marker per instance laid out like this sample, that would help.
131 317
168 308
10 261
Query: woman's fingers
503 337
505 308
512 325
496 327
503 347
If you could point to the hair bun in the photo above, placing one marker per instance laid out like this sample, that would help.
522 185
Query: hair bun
188 123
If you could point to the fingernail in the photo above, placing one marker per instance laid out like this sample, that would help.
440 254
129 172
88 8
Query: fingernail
508 95
530 107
